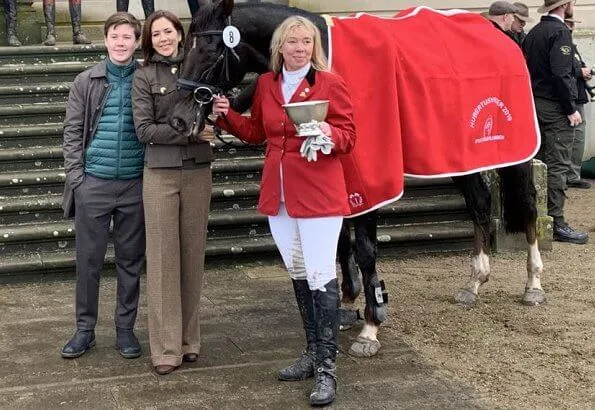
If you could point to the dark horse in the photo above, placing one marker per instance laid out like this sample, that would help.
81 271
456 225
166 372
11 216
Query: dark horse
211 67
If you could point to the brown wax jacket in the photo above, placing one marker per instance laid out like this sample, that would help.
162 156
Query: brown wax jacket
153 95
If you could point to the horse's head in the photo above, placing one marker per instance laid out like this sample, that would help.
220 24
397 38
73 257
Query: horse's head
211 65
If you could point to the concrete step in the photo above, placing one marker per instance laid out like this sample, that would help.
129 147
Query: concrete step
32 113
245 170
23 207
47 207
51 91
33 55
32 135
239 221
49 155
26 159
18 74
33 182
408 239
50 136
26 209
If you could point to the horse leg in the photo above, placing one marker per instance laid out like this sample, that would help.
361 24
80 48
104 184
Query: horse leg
366 249
350 284
520 215
534 293
478 201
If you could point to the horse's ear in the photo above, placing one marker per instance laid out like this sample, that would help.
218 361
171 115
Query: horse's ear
227 7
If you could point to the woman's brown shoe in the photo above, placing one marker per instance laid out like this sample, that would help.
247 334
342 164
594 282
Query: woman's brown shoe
190 357
164 369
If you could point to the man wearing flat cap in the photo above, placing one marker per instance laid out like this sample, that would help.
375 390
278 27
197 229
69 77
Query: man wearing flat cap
521 18
550 53
501 14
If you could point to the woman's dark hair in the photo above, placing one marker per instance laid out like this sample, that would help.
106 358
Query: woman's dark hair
146 40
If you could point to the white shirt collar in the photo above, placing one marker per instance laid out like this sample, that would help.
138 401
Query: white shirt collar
556 16
297 74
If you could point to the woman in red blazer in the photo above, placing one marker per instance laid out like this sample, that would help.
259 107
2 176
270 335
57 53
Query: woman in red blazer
305 201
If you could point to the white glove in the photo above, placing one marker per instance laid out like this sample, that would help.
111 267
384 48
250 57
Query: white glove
313 144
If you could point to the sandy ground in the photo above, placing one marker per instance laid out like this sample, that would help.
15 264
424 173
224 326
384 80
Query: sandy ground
518 356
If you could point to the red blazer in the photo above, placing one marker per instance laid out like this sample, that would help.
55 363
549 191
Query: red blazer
311 189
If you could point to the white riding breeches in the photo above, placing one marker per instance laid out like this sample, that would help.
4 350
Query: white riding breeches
308 246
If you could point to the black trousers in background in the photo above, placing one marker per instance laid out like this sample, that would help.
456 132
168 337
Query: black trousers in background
97 203
578 147
557 137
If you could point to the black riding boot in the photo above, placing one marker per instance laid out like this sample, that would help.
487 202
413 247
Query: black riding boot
10 15
303 367
75 17
326 306
49 12
148 7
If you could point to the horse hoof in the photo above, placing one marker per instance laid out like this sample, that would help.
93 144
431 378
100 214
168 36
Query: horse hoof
466 297
363 347
533 297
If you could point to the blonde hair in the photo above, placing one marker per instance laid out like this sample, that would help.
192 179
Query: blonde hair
319 61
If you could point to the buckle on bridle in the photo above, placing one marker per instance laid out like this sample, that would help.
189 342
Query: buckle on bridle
203 95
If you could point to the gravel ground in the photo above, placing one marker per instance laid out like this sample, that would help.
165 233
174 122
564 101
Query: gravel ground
517 356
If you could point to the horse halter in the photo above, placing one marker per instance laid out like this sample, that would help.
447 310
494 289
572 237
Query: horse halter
201 93
224 56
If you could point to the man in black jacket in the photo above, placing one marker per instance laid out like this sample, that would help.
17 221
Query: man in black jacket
550 53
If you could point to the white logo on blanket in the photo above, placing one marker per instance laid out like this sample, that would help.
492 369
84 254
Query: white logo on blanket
488 124
355 200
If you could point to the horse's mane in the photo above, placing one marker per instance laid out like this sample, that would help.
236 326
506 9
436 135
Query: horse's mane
205 15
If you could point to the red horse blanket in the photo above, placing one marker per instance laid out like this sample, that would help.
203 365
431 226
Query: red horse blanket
435 93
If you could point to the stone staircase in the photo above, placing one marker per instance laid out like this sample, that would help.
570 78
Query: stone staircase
35 239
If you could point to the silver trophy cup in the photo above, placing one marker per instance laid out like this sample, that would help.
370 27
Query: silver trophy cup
306 116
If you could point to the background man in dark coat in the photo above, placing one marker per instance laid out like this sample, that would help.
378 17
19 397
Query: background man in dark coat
550 53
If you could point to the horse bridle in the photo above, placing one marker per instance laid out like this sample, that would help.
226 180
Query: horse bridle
203 93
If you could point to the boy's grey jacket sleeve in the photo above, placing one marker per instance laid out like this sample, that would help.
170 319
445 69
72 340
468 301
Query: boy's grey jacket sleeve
73 144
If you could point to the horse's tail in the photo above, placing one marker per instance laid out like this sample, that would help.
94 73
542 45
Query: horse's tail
518 197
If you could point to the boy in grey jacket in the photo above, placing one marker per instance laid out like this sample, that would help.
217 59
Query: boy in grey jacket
103 160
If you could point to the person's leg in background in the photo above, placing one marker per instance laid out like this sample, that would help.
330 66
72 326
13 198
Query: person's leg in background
578 148
78 37
557 137
10 17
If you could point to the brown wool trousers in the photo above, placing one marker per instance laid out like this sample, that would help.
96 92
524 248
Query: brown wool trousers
176 205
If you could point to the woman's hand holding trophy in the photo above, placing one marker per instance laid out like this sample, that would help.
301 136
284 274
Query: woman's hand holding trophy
308 118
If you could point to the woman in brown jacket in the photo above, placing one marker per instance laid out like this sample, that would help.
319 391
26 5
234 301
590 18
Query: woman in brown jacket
176 195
